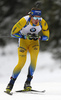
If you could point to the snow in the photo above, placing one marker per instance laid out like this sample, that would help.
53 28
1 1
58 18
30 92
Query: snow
47 75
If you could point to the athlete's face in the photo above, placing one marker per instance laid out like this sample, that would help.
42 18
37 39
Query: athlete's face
35 19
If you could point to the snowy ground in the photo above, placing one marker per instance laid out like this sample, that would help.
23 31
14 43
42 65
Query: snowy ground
47 75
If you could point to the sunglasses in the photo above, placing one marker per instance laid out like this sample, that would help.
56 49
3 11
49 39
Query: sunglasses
36 18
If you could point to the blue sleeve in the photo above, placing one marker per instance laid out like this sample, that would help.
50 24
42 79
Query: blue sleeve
44 38
17 35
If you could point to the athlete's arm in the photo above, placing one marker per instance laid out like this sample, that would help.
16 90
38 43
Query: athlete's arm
17 27
45 30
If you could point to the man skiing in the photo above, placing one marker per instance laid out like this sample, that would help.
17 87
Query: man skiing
27 29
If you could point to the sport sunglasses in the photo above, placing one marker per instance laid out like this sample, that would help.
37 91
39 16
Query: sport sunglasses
36 18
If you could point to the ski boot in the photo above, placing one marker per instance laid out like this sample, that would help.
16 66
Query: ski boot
27 86
10 85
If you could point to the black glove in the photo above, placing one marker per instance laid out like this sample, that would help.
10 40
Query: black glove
35 37
32 36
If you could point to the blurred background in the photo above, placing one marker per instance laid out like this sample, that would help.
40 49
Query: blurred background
11 11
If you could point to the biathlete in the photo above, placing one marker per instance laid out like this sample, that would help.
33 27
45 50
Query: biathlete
28 26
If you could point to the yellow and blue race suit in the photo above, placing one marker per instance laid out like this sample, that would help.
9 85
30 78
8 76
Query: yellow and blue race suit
25 26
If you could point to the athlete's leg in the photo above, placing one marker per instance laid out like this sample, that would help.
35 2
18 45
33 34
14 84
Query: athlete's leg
34 50
22 52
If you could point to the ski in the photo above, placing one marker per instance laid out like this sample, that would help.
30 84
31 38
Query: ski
36 91
25 91
10 93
